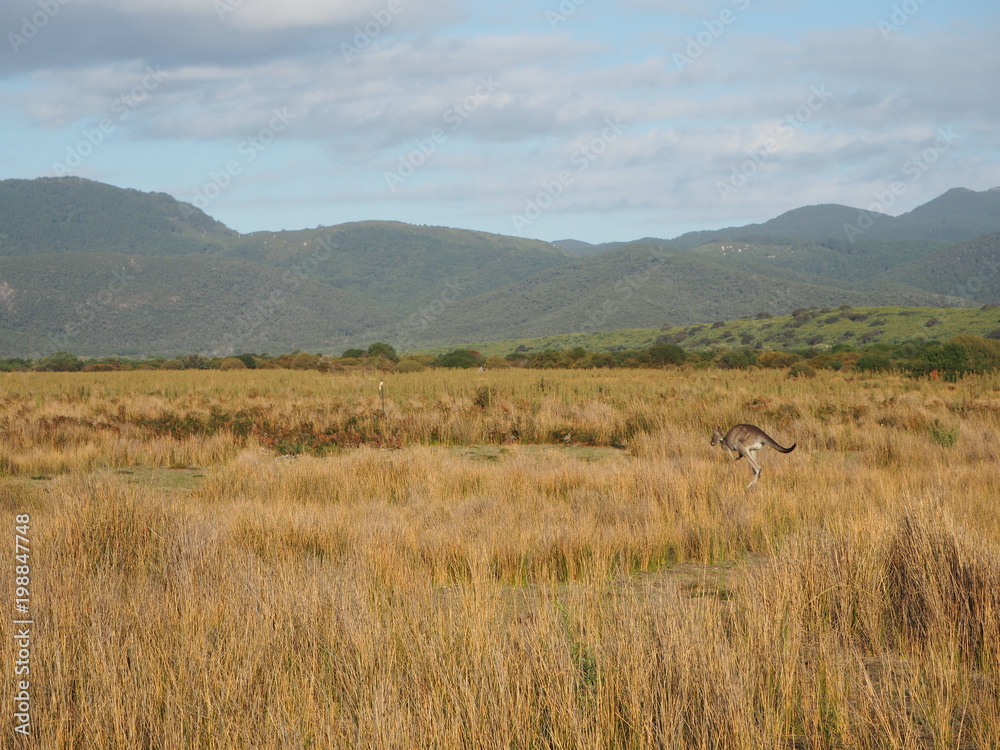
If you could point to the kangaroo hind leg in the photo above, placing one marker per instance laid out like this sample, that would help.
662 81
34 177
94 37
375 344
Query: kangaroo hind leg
757 468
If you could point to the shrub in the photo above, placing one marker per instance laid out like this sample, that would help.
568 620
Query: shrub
982 355
305 361
873 363
777 359
60 362
460 358
826 361
597 359
737 359
249 360
232 363
378 349
409 365
944 436
950 359
195 362
801 370
666 354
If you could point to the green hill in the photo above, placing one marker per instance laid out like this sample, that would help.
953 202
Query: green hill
100 270
401 267
641 286
816 328
70 214
809 222
96 304
828 260
969 269
957 215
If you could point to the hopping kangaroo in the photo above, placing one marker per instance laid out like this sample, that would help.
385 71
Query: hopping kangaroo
745 440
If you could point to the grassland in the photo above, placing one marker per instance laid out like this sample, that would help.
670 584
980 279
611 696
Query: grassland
823 328
507 559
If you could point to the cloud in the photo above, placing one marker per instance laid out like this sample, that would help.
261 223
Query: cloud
249 14
266 15
368 81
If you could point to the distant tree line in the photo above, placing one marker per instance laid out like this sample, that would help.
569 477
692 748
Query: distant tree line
961 355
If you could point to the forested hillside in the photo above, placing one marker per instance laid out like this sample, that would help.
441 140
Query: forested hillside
101 270
70 214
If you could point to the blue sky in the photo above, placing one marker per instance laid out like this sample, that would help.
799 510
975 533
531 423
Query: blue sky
551 119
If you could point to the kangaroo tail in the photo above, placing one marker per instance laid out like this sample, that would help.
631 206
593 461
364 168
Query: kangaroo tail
784 450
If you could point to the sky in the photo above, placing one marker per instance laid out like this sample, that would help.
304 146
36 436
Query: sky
550 119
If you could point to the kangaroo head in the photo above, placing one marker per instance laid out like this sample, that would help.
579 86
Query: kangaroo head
717 436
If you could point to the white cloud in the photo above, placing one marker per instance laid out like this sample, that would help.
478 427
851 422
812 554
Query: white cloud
550 93
269 15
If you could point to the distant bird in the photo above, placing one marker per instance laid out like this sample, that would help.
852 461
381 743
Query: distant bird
745 440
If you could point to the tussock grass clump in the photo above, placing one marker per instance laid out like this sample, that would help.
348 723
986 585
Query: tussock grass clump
942 586
893 632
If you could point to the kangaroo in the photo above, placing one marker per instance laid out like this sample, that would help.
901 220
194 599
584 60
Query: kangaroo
745 440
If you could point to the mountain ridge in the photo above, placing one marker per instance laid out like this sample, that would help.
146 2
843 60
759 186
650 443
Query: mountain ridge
946 217
206 288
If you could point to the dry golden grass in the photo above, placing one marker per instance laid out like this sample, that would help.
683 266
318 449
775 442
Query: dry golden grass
482 568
